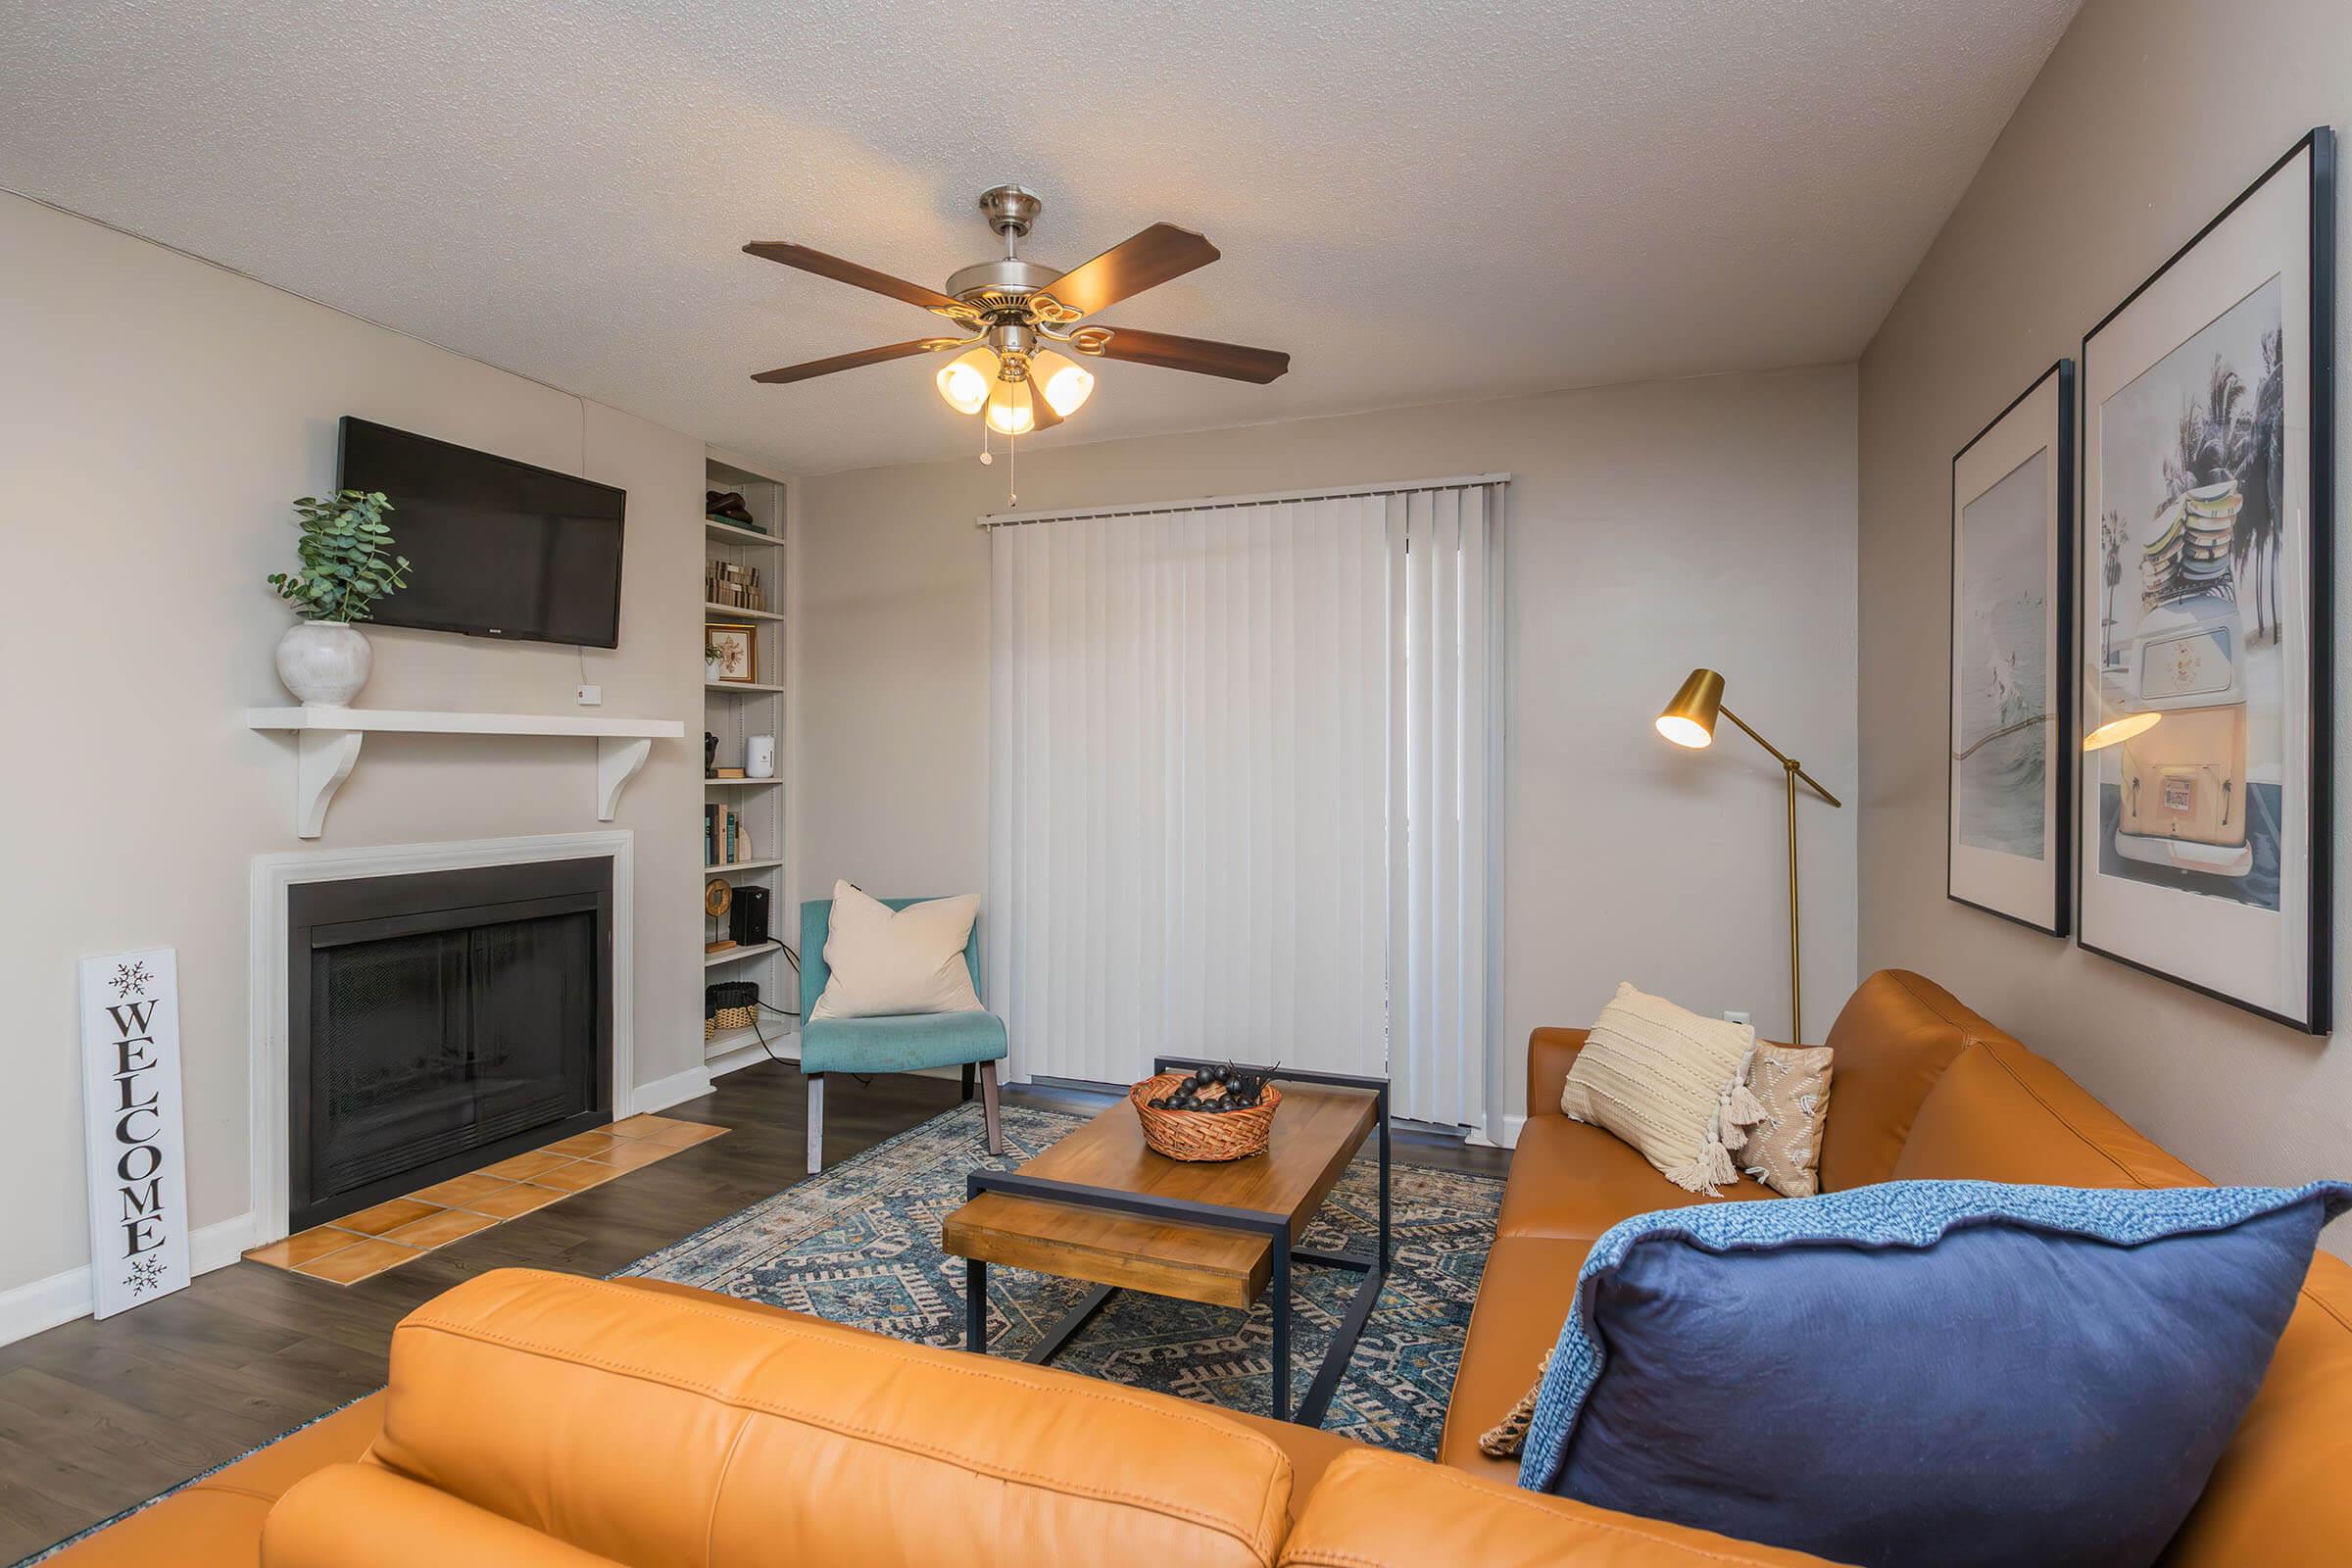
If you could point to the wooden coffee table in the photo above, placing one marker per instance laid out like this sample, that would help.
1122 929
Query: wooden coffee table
1101 1205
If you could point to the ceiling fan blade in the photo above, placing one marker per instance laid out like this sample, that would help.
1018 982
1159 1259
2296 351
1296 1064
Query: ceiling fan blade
849 361
1134 264
849 272
1040 410
1199 354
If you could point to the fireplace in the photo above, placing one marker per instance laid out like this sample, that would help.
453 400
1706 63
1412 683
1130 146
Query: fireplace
439 1021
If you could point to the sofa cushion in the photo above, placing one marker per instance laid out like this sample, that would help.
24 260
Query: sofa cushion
1522 1300
217 1520
1893 1040
2000 1113
2279 1496
645 1425
1572 1180
1963 1372
1310 1450
1383 1510
364 1516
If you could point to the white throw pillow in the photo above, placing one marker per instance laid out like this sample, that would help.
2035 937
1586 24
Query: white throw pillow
1668 1082
887 964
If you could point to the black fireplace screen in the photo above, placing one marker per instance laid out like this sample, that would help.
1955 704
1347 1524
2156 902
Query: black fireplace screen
442 1022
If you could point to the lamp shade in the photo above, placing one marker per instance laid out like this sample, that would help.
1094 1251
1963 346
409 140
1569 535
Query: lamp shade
1690 720
2116 731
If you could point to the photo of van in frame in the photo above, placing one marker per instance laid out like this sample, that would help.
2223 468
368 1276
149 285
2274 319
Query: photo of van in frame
2203 807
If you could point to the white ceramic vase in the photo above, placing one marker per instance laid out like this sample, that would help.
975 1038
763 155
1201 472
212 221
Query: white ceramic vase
324 663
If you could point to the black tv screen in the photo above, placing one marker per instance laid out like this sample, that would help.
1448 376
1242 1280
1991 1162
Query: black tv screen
497 547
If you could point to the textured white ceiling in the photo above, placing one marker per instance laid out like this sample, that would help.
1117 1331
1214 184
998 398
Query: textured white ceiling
1420 202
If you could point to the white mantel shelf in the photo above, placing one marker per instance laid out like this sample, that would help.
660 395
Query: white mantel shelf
328 745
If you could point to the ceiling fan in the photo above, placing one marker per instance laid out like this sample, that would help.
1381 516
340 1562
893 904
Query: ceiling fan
1011 309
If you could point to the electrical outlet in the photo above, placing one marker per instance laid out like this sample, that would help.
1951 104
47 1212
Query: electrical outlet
589 696
1729 1016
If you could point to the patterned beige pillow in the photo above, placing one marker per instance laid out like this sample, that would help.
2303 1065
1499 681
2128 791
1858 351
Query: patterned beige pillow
1668 1082
1793 1085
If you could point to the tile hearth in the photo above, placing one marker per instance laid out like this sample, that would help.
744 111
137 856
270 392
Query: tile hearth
361 1245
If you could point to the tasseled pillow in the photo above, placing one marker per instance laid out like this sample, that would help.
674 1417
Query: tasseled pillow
1670 1082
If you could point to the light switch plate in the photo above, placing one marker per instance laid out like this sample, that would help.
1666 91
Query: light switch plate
589 696
1739 1018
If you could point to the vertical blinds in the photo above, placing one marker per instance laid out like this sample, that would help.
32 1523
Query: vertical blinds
1214 731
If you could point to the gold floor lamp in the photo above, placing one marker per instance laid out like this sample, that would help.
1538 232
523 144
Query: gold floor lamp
1689 721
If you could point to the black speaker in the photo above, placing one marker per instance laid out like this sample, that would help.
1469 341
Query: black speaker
747 921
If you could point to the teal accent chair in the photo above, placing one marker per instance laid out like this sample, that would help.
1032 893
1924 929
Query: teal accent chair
970 1039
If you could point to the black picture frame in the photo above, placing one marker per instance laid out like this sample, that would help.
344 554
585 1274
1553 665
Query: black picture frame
2018 423
2310 1005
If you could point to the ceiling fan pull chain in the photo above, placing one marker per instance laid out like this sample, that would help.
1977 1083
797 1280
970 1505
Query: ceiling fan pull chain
986 456
1013 470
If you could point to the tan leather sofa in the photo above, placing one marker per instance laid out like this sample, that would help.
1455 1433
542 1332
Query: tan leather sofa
549 1422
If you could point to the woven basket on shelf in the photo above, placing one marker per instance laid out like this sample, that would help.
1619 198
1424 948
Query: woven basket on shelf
1203 1134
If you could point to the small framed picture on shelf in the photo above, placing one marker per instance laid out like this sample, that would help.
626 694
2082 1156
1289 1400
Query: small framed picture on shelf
733 652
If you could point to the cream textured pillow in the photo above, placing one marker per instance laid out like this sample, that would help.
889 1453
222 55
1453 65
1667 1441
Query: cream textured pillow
888 962
1668 1082
1791 1083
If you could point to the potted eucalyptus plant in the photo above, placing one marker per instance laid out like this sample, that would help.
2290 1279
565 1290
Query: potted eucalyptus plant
347 566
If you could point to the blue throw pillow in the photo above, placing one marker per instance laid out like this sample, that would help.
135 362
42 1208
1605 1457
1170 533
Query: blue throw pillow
1955 1373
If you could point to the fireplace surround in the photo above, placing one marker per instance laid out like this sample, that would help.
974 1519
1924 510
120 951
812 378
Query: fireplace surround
276 974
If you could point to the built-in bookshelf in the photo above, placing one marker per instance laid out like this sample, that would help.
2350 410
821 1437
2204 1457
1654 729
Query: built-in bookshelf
744 589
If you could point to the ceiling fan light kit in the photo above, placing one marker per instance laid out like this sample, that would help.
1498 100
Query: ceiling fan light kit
1011 309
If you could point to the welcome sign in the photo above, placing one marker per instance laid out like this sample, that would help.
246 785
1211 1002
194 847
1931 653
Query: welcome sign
130 1099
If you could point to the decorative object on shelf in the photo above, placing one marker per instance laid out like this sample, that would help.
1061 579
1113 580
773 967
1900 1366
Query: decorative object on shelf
1689 721
2204 815
1213 1113
710 751
726 583
347 566
717 895
729 1004
1012 308
733 651
728 773
130 1097
760 756
2006 818
728 506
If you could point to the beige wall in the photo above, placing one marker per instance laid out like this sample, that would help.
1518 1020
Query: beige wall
2150 117
1651 528
157 414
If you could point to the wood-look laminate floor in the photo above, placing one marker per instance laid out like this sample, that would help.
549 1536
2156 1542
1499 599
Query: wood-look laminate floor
95 1417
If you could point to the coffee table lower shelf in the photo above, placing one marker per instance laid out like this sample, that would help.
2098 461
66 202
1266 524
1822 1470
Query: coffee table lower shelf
1273 1229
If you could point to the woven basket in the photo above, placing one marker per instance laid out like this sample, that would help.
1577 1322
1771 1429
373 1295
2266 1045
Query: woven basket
1201 1135
734 1018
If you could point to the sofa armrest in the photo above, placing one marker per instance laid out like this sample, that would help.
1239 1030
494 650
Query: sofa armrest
1383 1510
364 1516
1551 1052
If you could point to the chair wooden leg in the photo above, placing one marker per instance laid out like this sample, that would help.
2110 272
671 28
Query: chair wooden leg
816 1122
988 1100
967 1082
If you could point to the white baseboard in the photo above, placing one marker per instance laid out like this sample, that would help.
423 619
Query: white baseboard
1509 1139
674 1089
61 1298
786 1047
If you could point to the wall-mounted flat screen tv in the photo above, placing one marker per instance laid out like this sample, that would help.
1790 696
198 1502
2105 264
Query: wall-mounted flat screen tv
499 548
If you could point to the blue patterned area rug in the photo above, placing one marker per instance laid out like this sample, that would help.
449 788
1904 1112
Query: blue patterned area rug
859 1244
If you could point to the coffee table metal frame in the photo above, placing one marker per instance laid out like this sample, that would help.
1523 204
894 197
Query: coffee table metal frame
1276 1228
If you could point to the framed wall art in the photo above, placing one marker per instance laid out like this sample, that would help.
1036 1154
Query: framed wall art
2205 604
2007 823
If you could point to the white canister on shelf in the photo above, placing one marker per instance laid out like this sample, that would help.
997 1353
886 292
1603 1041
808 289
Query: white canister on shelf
760 756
